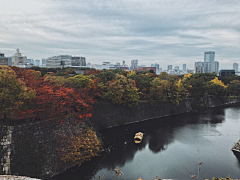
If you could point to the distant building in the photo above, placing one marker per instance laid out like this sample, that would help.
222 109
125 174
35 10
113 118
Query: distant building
43 62
58 61
37 63
225 72
215 66
169 67
209 62
199 67
184 67
78 61
30 61
124 68
235 67
5 60
18 59
137 69
134 64
190 71
176 68
155 65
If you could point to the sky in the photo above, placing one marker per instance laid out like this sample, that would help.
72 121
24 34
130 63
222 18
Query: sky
167 32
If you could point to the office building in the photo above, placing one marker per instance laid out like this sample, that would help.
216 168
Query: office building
18 59
225 72
37 63
155 65
235 67
30 61
58 61
199 67
215 66
209 58
169 67
134 64
43 62
78 61
184 67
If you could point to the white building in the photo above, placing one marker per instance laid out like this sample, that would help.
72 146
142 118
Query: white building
58 61
209 58
18 59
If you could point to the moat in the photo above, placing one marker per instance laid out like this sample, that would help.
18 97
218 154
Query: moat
172 148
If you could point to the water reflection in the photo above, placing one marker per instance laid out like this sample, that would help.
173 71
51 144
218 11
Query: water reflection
159 134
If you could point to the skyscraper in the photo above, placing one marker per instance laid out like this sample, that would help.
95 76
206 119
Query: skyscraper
134 63
199 67
184 67
209 57
169 67
235 67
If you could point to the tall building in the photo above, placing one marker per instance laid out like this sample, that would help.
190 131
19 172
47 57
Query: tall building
18 59
169 67
134 64
215 66
209 57
184 67
235 67
156 65
58 61
199 67
43 62
78 61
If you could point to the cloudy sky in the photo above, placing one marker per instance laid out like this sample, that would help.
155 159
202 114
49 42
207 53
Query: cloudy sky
152 31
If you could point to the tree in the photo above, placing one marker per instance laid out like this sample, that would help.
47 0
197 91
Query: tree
80 81
14 95
121 91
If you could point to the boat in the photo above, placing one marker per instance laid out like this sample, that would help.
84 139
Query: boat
236 149
138 137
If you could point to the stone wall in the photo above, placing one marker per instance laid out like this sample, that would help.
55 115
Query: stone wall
33 149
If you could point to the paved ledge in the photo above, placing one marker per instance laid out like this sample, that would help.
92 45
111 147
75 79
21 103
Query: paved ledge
9 177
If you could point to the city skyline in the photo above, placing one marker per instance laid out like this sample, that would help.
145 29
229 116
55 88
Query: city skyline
163 32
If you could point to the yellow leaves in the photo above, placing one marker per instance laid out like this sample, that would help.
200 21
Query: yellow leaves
131 73
219 82
187 76
139 178
83 147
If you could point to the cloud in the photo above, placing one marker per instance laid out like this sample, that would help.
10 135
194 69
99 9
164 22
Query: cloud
151 31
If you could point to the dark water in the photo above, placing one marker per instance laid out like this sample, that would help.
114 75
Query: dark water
171 149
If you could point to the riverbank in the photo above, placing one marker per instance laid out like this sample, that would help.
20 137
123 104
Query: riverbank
9 177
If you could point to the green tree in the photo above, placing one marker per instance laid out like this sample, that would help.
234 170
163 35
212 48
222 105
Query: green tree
121 91
80 81
14 95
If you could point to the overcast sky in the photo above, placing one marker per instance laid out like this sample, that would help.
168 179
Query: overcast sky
152 31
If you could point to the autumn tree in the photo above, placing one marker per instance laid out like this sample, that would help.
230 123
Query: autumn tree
14 95
121 91
83 146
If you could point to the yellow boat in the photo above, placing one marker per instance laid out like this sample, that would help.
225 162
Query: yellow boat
138 137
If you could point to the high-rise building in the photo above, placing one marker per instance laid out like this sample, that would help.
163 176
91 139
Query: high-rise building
199 67
209 57
235 67
215 66
18 59
184 67
43 62
169 67
78 61
134 64
156 65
